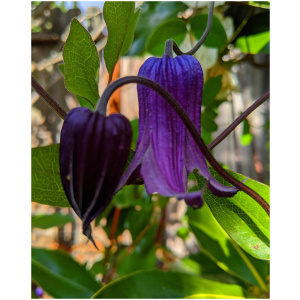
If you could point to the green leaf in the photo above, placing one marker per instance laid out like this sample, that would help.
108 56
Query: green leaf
253 44
200 264
46 186
168 284
246 137
242 217
173 29
81 63
217 36
152 14
211 89
218 246
256 24
61 276
48 221
83 102
208 123
137 261
120 18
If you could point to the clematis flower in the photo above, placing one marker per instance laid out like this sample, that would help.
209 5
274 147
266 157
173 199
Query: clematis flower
166 152
93 154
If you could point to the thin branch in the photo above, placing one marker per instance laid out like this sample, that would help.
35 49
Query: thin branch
50 101
237 121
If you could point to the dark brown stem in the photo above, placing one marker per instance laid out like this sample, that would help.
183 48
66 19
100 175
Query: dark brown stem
238 121
50 101
101 107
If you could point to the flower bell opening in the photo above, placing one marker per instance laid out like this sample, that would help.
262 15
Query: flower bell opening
166 152
93 153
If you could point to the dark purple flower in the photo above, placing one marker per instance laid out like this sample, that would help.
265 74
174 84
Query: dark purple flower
93 154
166 152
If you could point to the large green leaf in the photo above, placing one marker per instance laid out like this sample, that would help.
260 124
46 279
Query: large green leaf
46 186
120 18
242 217
83 102
152 14
61 276
168 284
81 63
217 245
173 29
217 36
51 220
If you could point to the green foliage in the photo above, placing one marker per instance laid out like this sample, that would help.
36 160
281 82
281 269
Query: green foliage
48 221
83 102
218 246
242 217
211 89
81 63
253 44
46 186
120 18
168 284
173 29
246 137
217 36
61 276
152 15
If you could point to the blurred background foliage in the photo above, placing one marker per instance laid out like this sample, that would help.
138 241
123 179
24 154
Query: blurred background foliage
138 231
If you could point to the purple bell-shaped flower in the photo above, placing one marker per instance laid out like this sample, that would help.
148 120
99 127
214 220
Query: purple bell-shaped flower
166 152
93 153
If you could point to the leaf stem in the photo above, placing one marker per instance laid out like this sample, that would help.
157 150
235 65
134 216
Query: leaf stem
101 107
50 101
172 44
238 120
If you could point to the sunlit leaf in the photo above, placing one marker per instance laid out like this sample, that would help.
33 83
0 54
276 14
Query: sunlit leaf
120 18
218 246
82 63
242 217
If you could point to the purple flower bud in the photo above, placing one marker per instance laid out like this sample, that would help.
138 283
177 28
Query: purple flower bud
166 151
93 153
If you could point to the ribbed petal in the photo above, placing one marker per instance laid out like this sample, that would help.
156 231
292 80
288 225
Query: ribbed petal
93 154
166 152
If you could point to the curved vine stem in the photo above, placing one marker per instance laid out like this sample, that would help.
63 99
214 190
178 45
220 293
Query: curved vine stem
101 107
237 121
171 44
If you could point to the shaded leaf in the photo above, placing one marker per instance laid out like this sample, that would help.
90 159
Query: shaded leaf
152 14
173 29
82 63
120 18
211 88
217 36
242 217
46 186
168 284
48 221
61 276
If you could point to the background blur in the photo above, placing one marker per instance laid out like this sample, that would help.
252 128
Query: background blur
244 68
